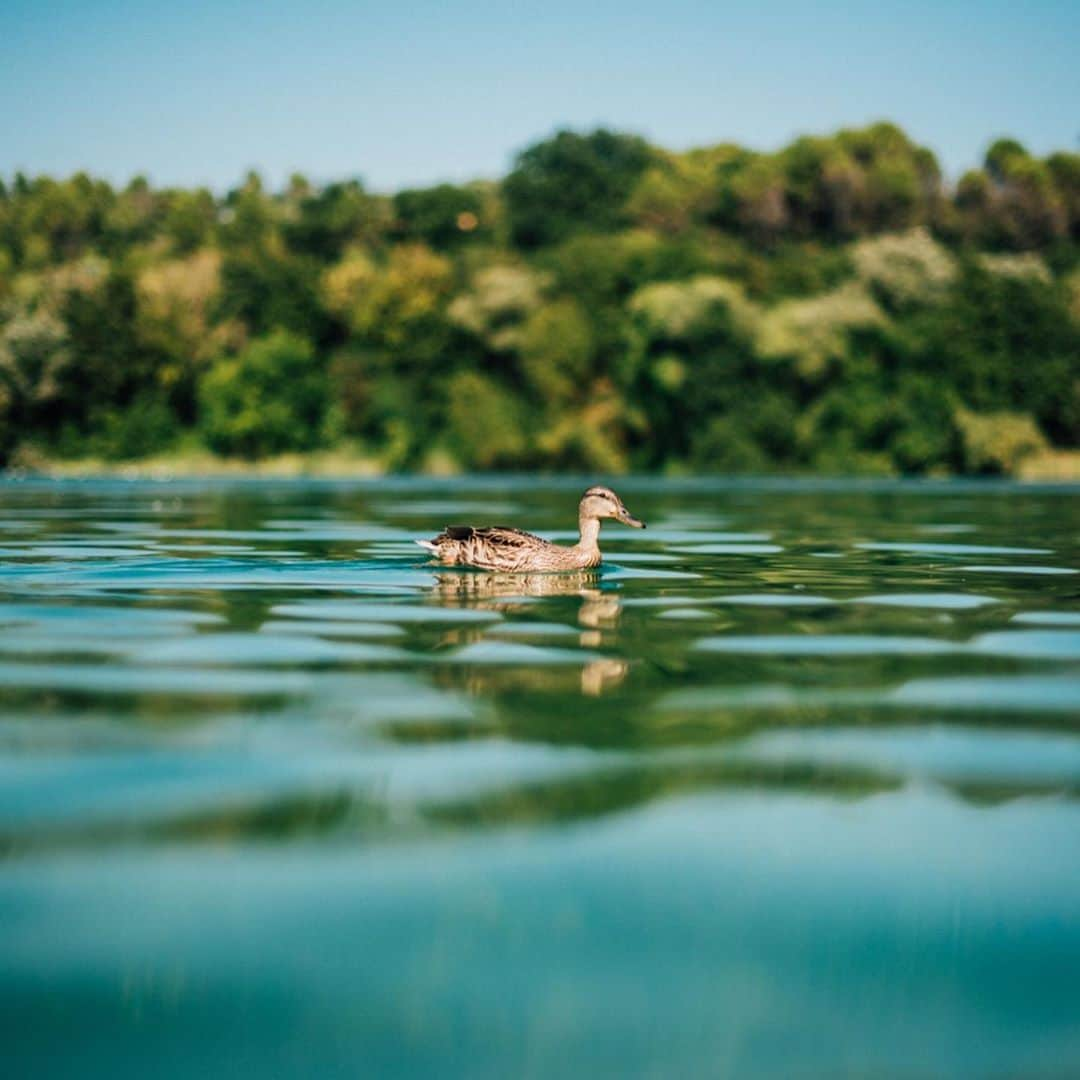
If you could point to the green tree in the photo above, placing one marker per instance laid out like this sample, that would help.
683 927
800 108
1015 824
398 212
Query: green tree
323 224
486 422
189 219
1014 203
1007 342
443 217
270 289
571 183
1064 169
690 362
271 398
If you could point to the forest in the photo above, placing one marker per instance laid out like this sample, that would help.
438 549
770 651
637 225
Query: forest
836 306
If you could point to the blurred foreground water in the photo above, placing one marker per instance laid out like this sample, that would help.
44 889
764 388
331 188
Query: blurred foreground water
790 787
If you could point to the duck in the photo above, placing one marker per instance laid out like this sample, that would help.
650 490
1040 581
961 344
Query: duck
499 547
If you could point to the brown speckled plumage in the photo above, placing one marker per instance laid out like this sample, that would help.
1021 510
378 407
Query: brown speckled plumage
499 547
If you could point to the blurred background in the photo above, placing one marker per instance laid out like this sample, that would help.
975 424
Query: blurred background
680 237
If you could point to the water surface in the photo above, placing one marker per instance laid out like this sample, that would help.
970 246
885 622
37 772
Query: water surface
788 787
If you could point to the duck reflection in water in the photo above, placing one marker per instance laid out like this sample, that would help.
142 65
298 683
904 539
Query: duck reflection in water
500 589
598 612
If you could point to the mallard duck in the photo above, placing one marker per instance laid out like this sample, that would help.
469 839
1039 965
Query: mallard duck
498 547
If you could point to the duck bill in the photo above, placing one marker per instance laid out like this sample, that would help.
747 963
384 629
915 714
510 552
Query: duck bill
628 519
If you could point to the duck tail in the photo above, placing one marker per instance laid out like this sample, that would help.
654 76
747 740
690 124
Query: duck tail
427 544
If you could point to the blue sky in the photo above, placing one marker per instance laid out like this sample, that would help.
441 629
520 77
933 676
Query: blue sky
412 93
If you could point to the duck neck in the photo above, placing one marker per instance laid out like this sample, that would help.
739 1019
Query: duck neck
590 533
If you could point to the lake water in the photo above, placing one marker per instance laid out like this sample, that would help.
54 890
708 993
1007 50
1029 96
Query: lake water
788 788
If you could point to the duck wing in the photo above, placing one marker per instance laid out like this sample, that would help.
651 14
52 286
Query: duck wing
494 547
503 535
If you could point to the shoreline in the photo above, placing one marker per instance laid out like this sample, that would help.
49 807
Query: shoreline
1052 468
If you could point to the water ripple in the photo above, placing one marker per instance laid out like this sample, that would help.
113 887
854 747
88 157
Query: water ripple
771 759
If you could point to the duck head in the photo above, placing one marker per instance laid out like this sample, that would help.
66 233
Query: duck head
602 502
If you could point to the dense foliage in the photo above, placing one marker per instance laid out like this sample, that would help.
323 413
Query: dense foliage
609 305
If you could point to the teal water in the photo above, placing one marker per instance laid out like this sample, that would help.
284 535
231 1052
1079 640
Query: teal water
788 788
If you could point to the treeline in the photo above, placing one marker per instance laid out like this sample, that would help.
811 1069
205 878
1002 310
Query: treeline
608 305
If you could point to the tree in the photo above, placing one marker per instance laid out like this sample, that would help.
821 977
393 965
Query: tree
323 224
189 219
572 183
1007 342
1065 171
443 217
267 289
270 399
1014 203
